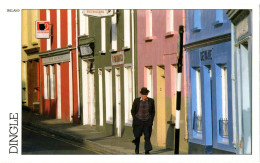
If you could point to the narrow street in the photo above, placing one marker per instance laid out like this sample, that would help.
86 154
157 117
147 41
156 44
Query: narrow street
35 141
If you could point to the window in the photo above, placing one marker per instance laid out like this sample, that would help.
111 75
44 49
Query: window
196 101
170 21
149 23
127 28
219 16
128 94
46 82
84 25
100 85
223 121
52 81
197 20
103 35
114 32
149 75
109 95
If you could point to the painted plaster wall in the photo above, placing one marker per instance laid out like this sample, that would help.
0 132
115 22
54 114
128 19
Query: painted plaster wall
161 51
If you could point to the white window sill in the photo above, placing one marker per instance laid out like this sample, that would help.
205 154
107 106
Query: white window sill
169 34
196 29
149 38
126 48
109 121
102 52
112 50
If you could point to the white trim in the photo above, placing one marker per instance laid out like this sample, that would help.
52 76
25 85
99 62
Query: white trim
70 88
170 21
69 27
118 101
103 34
58 92
52 82
127 28
84 92
82 23
100 85
45 82
109 95
48 17
224 92
179 82
128 94
149 74
178 114
198 90
133 52
114 32
58 29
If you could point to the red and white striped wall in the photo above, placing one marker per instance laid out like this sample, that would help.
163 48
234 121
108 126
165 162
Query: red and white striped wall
59 81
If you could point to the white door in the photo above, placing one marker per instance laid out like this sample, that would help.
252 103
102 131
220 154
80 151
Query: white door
118 102
88 95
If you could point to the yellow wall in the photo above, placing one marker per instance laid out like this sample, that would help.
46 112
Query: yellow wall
161 121
28 39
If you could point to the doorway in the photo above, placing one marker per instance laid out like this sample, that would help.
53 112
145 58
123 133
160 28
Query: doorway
161 121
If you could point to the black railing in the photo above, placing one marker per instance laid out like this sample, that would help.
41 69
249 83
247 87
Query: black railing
223 127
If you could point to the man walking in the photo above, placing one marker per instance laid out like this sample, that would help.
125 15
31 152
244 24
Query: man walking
143 112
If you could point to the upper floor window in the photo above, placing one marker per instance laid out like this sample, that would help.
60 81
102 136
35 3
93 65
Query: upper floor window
114 32
126 28
149 23
197 20
219 16
170 21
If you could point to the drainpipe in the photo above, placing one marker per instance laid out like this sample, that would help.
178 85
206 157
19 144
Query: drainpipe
133 57
77 62
178 104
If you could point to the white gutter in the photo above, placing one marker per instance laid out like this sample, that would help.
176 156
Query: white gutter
133 57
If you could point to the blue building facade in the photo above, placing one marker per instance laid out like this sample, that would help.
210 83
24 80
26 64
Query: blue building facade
209 98
241 60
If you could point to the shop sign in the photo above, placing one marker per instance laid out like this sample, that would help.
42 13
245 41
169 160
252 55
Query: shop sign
242 28
117 58
205 55
42 29
98 13
56 59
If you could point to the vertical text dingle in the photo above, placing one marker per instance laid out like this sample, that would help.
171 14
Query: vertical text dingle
13 133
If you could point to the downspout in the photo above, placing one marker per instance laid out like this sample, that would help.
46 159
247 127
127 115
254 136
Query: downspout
77 62
133 57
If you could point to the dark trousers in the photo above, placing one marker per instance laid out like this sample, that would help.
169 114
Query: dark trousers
145 129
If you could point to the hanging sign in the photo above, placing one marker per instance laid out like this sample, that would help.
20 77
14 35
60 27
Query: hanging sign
98 13
117 58
42 29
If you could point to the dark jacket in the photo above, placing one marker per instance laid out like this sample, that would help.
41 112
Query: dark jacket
135 108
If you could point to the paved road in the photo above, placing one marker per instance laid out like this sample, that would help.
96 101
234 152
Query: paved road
35 141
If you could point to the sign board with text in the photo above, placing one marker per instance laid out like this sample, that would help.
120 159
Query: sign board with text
117 58
98 13
56 59
42 29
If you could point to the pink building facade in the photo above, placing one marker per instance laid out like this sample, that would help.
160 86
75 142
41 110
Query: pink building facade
157 47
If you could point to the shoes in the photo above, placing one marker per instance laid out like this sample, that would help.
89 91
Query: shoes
136 151
133 141
147 152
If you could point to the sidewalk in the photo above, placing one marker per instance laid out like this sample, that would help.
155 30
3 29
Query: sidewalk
87 135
